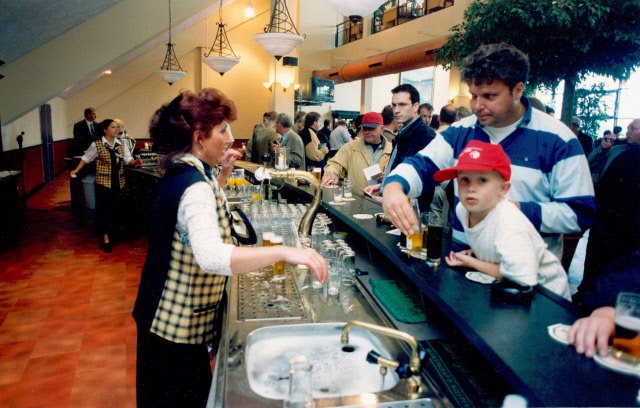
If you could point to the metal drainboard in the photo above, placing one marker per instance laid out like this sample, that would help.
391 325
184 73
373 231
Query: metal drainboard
260 297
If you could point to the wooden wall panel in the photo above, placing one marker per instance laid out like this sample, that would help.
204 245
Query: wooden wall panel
33 171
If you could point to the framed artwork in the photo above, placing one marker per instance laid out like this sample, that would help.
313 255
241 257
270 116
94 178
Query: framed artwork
422 80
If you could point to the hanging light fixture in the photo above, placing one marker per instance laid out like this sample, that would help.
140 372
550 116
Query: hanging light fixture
226 58
171 70
355 9
249 12
281 36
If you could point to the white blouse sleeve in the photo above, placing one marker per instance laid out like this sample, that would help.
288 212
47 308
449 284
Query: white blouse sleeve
91 154
199 229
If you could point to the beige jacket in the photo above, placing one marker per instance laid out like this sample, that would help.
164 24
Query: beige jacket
352 159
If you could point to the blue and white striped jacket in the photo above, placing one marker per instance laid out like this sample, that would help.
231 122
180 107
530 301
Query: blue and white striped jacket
549 173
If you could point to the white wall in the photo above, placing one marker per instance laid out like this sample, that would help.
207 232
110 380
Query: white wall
382 87
30 125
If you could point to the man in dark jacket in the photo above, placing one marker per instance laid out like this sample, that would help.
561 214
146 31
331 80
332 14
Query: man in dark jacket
84 131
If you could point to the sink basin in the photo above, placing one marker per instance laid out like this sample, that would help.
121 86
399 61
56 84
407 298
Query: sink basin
338 370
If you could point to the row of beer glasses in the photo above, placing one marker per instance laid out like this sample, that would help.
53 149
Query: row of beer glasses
340 260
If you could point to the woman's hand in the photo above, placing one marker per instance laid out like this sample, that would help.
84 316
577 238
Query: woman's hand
135 162
593 332
73 173
310 258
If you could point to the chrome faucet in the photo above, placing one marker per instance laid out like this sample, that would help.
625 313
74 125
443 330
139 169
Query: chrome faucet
414 383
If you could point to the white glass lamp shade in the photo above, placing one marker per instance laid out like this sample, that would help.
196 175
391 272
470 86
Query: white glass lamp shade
220 64
278 44
169 76
359 8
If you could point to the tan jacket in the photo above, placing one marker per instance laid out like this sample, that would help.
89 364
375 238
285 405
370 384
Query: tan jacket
352 159
265 136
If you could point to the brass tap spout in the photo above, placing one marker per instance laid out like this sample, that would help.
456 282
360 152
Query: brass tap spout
307 219
415 382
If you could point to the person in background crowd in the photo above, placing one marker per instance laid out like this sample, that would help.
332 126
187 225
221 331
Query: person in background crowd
314 154
339 137
390 124
600 154
435 122
85 131
191 253
263 137
111 156
324 134
299 121
504 243
426 113
355 156
616 232
123 136
617 132
413 136
537 104
353 127
464 112
550 111
291 140
448 116
550 178
585 140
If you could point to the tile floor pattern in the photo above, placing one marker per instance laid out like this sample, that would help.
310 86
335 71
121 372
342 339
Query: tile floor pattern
67 338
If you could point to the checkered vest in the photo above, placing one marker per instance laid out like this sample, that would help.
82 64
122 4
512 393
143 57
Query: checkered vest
103 165
190 302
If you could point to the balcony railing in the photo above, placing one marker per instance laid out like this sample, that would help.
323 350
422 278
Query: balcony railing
347 32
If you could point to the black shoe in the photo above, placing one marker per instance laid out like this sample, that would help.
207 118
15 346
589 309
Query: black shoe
107 247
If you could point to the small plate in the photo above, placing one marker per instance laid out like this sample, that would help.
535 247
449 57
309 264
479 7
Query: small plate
479 277
560 333
363 216
613 363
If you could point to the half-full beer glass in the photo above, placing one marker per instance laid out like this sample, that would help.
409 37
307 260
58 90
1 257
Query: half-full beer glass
626 343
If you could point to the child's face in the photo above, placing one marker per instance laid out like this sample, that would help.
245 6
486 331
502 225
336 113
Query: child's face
480 191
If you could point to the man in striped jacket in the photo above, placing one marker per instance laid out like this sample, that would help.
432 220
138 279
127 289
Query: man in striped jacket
550 178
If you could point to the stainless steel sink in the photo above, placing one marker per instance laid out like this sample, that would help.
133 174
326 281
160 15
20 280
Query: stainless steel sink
338 370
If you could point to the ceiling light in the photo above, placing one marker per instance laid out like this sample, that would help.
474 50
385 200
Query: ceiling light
355 9
171 70
281 36
226 58
107 72
249 12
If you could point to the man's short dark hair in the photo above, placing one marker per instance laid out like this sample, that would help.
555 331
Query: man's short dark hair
284 120
492 62
426 106
607 132
387 115
358 121
413 92
269 116
617 129
88 112
327 123
448 114
549 109
310 118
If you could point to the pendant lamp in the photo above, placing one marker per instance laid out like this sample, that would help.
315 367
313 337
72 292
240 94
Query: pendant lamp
281 36
223 58
171 70
355 9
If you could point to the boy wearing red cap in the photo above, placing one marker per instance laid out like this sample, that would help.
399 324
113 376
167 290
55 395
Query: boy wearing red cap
504 243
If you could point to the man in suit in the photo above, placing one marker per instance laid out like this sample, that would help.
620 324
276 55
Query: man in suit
84 131
291 140
263 137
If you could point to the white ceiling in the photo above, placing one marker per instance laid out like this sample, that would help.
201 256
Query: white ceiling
27 24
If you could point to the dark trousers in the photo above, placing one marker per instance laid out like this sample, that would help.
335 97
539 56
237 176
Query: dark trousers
107 203
171 374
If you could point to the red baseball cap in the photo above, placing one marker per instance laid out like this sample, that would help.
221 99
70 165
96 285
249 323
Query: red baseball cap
478 156
372 120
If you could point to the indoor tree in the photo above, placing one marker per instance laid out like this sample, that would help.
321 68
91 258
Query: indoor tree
564 39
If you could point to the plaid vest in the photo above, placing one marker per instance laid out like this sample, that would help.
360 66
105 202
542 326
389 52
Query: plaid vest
190 302
103 164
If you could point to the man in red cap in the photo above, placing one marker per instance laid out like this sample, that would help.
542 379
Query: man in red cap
504 243
355 156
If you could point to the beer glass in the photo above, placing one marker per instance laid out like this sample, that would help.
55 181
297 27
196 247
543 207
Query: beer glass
317 173
434 239
338 193
348 188
278 267
626 342
414 241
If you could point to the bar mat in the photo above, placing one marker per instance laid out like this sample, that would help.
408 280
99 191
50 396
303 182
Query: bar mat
400 300
464 376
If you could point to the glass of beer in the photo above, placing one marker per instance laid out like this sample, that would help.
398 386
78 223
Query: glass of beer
317 173
338 193
414 241
626 342
278 267
434 239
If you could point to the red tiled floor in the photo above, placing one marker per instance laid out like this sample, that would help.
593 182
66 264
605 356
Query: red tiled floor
67 338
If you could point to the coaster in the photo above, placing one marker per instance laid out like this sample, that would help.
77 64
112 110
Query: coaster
560 333
334 203
363 216
613 363
348 199
479 277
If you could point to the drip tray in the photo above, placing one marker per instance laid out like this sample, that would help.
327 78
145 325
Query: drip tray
261 296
